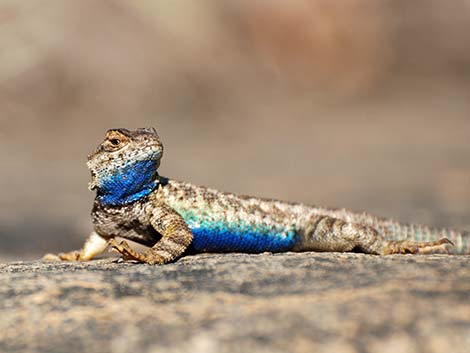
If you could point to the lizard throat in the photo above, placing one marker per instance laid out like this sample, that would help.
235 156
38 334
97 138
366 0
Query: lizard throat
127 184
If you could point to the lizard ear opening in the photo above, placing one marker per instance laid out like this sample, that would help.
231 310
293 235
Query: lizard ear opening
147 130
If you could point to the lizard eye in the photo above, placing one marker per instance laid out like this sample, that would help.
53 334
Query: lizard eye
114 141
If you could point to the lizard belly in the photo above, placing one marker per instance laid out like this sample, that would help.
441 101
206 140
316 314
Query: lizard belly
240 236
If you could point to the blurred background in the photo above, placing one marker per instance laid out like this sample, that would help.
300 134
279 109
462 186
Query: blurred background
361 104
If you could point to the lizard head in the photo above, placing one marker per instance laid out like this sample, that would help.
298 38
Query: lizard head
124 166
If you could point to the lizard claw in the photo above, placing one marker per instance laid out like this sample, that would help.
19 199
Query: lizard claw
128 254
125 250
442 246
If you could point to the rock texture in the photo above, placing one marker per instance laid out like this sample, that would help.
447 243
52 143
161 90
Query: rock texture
289 302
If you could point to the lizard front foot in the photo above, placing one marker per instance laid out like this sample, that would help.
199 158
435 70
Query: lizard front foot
442 246
129 254
66 256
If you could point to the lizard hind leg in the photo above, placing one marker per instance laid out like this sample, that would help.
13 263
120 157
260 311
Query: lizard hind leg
324 233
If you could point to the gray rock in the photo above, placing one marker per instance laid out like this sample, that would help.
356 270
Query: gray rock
291 302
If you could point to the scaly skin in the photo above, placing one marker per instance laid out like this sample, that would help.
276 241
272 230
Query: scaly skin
173 218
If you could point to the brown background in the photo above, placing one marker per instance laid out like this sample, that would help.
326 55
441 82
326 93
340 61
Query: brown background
360 104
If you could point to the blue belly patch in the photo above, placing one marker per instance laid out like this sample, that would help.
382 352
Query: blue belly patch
226 237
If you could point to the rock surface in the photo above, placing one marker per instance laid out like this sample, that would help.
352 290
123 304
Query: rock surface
291 302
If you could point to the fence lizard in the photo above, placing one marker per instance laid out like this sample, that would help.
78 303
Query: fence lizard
173 218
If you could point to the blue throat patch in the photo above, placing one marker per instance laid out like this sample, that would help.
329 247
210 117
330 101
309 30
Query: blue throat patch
128 183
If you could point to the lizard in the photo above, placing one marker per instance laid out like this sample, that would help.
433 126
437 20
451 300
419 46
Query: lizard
174 218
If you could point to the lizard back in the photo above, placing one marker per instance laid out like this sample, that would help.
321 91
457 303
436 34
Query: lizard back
222 221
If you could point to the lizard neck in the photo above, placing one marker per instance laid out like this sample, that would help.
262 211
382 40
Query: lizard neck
128 183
